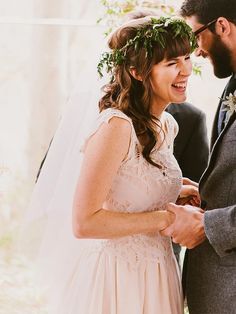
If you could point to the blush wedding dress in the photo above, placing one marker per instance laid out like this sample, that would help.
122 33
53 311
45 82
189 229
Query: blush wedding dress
128 275
135 274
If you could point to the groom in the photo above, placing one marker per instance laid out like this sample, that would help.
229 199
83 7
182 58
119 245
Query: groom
210 264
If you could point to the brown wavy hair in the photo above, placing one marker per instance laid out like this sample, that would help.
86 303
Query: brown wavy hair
131 96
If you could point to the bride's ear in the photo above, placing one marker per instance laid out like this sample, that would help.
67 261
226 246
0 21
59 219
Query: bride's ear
134 73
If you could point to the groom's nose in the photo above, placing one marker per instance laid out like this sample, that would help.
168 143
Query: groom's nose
200 53
197 52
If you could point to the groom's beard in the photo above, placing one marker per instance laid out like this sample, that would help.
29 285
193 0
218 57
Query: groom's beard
221 58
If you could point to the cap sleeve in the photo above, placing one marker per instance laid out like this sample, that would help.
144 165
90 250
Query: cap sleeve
172 125
104 117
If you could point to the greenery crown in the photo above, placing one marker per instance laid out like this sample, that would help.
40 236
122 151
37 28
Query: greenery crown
145 37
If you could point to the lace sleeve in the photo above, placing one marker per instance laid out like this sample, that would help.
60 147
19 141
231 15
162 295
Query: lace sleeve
104 117
172 126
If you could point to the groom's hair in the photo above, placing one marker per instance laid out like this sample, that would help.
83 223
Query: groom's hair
208 10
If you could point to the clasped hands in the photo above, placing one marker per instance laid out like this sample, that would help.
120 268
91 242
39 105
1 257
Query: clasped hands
188 226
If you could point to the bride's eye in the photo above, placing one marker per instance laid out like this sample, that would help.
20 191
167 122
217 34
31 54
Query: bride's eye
171 63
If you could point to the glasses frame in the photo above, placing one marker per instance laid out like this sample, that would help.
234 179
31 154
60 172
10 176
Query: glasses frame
201 29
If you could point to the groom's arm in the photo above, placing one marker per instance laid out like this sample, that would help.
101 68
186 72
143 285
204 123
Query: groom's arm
220 228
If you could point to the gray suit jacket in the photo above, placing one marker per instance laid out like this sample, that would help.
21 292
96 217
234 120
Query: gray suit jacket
211 267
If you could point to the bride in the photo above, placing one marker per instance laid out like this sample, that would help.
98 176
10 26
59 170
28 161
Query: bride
101 204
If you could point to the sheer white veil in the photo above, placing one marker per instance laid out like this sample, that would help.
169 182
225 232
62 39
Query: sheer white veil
47 236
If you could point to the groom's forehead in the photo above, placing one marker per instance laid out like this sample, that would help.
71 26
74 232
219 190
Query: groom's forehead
193 22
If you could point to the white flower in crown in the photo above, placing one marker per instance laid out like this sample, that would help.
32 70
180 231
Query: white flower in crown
230 105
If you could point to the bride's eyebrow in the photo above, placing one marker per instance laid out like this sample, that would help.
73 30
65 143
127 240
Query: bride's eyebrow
172 59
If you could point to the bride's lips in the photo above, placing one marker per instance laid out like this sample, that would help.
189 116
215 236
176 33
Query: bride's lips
180 86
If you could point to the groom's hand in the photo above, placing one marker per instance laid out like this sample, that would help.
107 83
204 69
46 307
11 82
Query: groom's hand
188 227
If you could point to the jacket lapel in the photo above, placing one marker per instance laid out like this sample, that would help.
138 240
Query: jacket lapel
214 134
215 148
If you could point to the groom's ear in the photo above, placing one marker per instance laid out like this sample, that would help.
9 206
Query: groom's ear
223 27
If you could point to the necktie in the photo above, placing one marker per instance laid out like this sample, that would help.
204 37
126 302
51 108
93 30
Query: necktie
230 88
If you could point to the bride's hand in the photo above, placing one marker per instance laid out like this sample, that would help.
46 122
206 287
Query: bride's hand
187 181
189 195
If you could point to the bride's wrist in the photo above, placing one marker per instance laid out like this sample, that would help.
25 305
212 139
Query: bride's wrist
164 219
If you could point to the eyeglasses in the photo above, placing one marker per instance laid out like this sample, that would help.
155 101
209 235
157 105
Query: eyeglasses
201 29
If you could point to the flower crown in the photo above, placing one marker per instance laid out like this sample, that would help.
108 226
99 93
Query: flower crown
144 38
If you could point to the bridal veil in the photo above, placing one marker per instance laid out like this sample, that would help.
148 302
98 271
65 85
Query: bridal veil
47 236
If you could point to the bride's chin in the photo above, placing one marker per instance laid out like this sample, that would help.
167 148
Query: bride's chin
182 99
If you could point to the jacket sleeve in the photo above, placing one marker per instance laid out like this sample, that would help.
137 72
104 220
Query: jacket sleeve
220 228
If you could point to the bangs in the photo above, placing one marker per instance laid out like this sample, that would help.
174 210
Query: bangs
174 47
177 47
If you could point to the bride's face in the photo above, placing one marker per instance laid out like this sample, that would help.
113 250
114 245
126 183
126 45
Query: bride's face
169 80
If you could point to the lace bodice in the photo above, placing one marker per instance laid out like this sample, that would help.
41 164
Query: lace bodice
139 186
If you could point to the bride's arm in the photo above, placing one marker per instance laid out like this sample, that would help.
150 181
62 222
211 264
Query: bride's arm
103 155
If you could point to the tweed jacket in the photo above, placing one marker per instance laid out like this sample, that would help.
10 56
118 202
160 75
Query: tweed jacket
211 267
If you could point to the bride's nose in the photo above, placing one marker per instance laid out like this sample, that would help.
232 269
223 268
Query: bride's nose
186 68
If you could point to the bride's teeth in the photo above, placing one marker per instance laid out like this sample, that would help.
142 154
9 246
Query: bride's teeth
180 85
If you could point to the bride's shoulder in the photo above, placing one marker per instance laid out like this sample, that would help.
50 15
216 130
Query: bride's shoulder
109 113
115 117
109 124
171 124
